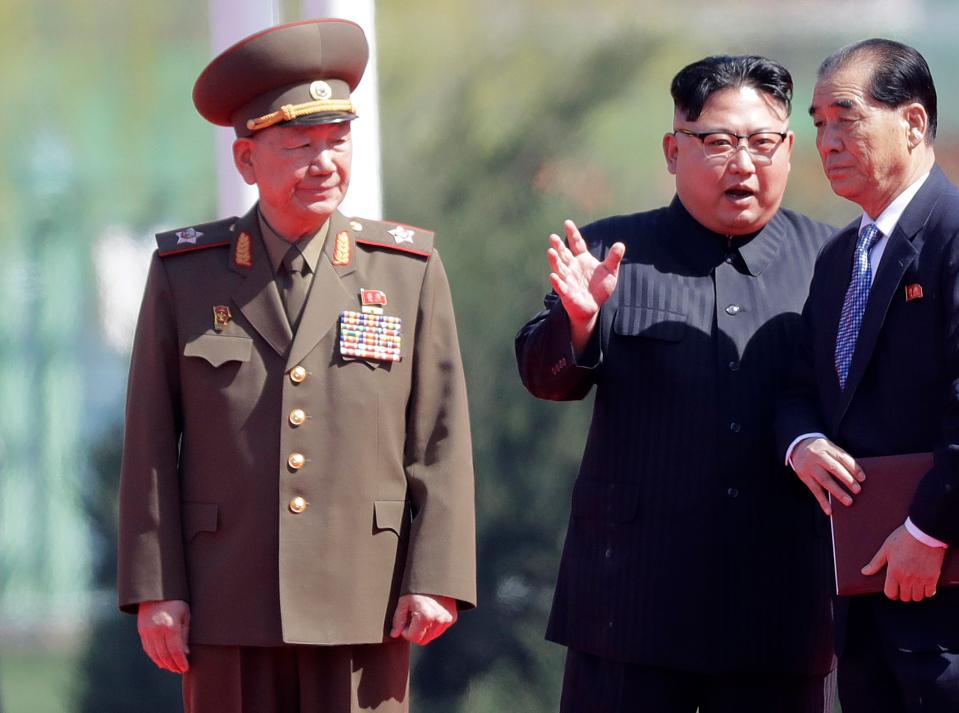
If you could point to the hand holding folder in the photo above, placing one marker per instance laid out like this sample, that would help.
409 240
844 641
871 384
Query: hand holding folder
860 530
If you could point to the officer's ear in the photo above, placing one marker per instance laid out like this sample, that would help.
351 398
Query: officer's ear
243 149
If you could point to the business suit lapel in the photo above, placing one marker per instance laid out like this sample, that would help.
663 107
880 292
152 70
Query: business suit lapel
256 294
328 296
901 251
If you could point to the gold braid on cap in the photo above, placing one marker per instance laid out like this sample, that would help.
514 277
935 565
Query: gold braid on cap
289 112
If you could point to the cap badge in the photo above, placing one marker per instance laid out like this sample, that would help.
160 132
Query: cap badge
341 250
221 317
187 236
356 225
402 235
320 90
243 257
913 292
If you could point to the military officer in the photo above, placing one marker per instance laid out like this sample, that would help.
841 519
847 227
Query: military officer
296 499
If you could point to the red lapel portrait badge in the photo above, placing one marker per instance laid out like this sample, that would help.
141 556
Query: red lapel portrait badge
913 292
221 317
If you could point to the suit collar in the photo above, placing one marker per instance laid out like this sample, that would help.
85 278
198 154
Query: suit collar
277 246
255 293
258 299
329 296
902 249
703 249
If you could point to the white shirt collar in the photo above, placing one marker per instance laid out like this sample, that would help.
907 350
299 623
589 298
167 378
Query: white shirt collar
889 218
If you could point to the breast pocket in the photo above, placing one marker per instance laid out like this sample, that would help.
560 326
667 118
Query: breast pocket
650 322
219 349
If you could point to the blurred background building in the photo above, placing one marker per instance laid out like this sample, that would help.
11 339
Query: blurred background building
498 120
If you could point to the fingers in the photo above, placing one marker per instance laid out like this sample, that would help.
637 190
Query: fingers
851 472
877 562
576 243
614 257
418 630
425 618
164 633
825 468
166 650
175 641
821 497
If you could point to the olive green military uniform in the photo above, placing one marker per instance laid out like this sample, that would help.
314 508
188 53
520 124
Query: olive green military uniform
288 492
297 450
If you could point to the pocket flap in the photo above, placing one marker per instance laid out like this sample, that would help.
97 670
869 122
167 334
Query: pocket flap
219 349
200 517
601 500
649 322
389 514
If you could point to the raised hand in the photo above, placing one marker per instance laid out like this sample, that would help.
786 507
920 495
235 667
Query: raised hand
582 282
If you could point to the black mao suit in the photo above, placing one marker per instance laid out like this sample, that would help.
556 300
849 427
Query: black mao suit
902 392
690 545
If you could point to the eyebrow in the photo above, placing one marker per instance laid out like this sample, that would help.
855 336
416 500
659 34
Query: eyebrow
841 103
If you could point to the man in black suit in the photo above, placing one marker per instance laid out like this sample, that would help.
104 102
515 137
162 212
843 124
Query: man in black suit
879 373
696 569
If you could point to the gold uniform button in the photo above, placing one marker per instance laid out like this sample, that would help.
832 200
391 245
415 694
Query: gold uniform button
297 417
297 374
296 461
298 505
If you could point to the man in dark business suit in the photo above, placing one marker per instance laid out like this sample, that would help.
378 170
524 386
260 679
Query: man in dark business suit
696 569
880 367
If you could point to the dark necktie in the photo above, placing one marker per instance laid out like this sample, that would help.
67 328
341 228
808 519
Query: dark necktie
295 284
854 305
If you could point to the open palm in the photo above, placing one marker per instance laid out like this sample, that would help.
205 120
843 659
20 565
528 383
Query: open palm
582 282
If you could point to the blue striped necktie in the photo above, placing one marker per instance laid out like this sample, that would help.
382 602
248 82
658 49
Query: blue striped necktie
854 305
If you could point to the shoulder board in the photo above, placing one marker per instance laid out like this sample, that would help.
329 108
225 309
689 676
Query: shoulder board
392 236
196 237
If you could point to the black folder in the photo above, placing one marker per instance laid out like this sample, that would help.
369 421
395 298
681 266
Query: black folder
858 531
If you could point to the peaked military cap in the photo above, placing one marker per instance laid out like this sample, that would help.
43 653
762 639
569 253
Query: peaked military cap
299 73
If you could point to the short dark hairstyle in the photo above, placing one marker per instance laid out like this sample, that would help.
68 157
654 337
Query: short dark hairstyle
900 75
696 82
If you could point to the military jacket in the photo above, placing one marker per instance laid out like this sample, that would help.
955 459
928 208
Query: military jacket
291 486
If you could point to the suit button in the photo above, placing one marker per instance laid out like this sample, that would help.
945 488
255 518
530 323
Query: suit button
297 374
733 492
296 461
298 505
734 366
297 417
735 427
609 553
733 309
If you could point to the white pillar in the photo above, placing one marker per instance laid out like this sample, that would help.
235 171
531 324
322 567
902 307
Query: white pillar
230 22
365 196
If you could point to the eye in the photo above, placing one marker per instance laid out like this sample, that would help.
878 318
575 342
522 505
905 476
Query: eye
718 140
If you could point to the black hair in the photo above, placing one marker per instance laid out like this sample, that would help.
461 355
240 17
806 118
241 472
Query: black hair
900 75
695 83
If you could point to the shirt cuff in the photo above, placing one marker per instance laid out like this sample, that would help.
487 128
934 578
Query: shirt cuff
796 440
922 536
